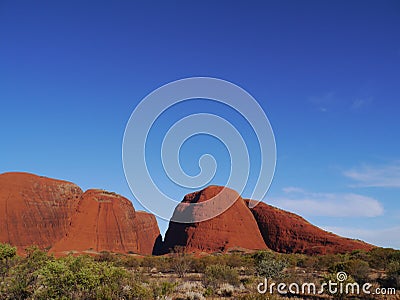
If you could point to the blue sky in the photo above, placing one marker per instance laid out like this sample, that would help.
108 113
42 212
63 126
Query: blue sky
326 73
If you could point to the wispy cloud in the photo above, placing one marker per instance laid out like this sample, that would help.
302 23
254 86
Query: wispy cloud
331 101
361 102
376 176
323 102
328 204
385 237
292 189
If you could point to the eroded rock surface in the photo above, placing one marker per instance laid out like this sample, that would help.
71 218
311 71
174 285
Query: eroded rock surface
234 228
35 210
289 233
106 221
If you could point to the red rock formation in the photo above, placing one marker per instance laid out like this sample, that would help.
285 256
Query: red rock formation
147 231
56 214
106 221
289 233
234 228
35 210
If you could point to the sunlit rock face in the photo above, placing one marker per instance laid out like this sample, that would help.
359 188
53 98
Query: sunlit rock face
56 215
105 221
234 228
289 233
35 210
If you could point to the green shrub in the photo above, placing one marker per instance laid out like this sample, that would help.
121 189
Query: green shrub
181 262
393 274
215 275
162 289
358 269
328 260
270 265
39 276
7 253
380 258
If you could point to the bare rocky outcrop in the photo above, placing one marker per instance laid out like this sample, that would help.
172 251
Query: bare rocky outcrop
147 231
106 221
280 230
57 215
289 233
35 210
234 228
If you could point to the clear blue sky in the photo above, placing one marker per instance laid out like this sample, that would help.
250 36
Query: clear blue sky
327 74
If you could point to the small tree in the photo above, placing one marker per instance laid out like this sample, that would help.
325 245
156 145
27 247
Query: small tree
180 261
269 266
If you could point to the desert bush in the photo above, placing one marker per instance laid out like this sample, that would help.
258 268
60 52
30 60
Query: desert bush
225 290
189 286
148 263
294 259
83 276
199 265
180 261
128 262
338 267
161 264
21 280
215 275
358 269
360 254
236 260
328 260
136 288
105 256
270 265
7 253
39 276
393 274
233 259
306 261
194 296
380 258
163 289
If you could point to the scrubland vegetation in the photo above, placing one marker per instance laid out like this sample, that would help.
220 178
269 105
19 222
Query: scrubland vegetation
39 275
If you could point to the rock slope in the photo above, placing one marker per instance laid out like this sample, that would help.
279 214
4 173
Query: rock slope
241 226
35 210
57 215
289 233
105 221
234 228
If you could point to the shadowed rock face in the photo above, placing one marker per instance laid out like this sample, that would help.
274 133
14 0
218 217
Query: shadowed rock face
35 210
289 233
105 221
234 228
